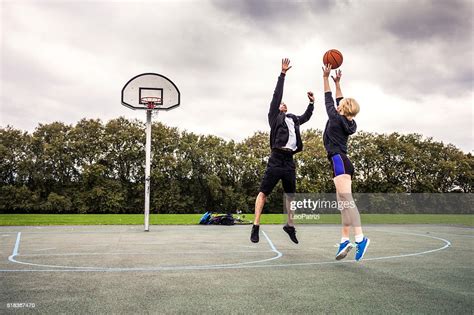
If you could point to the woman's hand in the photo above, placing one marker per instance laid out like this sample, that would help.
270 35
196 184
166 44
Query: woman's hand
326 70
338 76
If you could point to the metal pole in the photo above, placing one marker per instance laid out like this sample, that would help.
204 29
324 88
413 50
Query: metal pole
147 169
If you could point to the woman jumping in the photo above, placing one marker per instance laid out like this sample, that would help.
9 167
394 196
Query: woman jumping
340 126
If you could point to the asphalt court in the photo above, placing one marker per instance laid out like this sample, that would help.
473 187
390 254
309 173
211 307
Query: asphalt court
122 248
433 256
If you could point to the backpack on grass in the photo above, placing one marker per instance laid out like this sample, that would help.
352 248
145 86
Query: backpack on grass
217 219
206 218
223 219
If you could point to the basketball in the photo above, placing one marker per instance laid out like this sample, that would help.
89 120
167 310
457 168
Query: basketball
334 57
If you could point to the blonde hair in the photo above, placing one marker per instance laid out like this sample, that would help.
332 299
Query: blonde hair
350 107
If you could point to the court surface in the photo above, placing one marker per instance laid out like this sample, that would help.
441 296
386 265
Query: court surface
216 269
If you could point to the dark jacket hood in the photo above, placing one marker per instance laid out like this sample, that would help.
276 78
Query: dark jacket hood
350 126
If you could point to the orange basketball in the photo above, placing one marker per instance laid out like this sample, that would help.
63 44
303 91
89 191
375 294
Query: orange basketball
334 57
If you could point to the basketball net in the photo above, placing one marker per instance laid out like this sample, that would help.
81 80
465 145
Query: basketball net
151 104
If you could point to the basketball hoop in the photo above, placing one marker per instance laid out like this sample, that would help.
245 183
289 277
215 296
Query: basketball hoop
151 92
150 101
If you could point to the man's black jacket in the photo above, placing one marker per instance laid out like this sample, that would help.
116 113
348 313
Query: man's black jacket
278 129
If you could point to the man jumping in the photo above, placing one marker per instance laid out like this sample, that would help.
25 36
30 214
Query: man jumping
285 140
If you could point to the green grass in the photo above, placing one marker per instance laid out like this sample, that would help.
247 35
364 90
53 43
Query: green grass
137 219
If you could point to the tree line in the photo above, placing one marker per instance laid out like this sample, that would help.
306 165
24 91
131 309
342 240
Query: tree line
97 167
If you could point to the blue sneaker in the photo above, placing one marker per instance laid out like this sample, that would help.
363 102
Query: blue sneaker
361 248
344 249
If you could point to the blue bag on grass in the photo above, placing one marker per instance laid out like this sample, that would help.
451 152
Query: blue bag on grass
206 218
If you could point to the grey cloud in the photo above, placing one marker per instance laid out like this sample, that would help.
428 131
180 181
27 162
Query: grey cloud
264 10
20 68
224 57
409 47
439 35
423 20
276 18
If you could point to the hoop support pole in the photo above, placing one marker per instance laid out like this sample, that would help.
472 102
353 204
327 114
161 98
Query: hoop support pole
147 170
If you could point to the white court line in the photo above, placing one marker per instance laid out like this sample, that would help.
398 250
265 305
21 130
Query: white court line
15 249
246 265
278 255
448 243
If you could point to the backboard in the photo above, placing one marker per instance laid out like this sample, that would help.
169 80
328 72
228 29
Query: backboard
150 85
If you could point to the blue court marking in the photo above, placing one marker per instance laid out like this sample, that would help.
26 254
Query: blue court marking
238 265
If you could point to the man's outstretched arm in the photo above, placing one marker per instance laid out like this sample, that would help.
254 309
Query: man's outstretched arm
278 93
309 110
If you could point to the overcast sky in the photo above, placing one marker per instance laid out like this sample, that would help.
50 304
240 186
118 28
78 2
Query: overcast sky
408 63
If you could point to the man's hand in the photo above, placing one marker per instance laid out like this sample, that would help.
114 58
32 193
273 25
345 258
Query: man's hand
311 97
326 70
285 65
338 76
